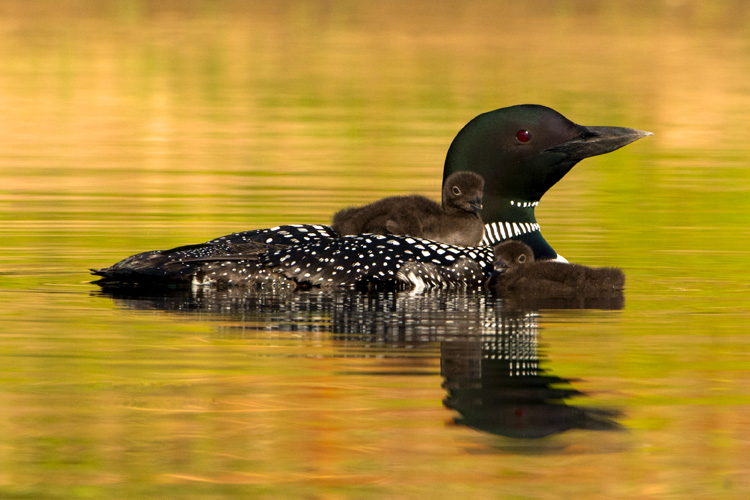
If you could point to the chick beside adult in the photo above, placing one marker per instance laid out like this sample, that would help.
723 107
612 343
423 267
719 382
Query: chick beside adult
517 271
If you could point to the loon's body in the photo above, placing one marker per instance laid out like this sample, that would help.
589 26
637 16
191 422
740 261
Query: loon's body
310 255
456 222
519 272
520 151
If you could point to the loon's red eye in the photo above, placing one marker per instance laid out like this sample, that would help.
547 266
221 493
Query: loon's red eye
523 136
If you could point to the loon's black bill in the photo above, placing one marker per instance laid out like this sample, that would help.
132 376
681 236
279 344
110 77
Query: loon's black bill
594 141
476 204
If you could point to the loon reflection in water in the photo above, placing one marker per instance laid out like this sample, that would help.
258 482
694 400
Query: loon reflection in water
490 360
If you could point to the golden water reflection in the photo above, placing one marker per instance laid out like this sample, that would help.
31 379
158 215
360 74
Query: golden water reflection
129 126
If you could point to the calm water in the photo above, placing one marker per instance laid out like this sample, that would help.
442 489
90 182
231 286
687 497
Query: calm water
129 126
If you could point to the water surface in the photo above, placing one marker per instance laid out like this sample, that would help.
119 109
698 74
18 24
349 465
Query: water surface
129 126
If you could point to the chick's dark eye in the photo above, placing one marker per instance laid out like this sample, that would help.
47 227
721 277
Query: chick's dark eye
523 136
456 190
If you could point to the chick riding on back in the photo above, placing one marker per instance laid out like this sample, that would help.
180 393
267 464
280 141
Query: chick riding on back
457 222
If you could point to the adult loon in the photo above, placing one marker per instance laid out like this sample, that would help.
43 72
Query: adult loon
519 272
520 151
456 222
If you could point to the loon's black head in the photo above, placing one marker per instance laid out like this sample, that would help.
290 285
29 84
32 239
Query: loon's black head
522 151
463 191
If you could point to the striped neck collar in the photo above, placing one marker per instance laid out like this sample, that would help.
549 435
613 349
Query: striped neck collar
495 232
523 204
513 218
520 225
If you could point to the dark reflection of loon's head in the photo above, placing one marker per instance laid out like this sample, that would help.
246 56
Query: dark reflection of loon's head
496 386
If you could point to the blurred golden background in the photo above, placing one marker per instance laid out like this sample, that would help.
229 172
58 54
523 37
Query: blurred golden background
128 126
